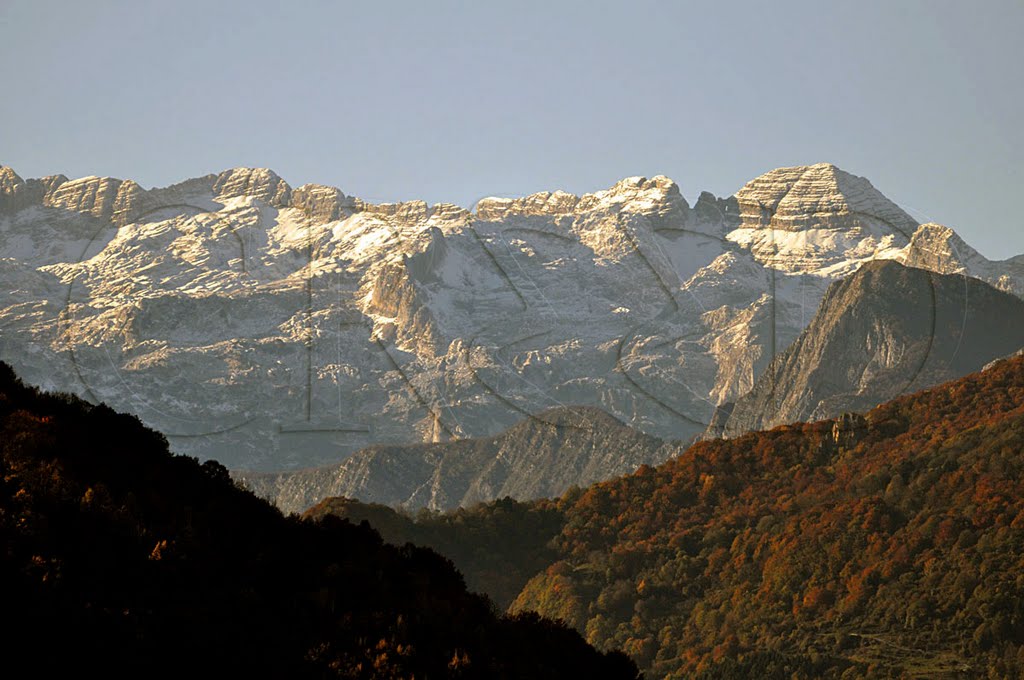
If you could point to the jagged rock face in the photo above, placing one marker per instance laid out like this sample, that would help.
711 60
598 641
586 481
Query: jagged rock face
940 249
885 331
398 303
709 209
9 180
15 194
97 196
258 183
540 457
276 328
322 203
847 429
658 198
742 345
818 217
542 203
818 196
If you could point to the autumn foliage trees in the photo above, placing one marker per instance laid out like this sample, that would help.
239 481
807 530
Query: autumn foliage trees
898 548
892 546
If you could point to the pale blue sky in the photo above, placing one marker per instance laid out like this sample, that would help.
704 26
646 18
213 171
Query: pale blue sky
454 101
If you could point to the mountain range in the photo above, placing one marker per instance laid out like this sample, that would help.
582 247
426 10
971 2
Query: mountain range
563 350
884 331
276 328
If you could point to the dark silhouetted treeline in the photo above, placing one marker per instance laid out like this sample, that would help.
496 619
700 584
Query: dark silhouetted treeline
118 559
499 545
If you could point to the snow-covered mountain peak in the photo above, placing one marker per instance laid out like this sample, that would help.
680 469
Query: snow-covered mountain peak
818 219
541 203
819 196
259 183
658 196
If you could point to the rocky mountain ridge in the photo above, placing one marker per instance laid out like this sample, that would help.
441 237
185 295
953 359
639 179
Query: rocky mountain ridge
885 331
540 457
276 328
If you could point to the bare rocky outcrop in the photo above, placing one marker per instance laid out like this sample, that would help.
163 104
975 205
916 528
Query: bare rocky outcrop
723 214
885 331
938 248
847 429
406 212
258 183
322 203
15 193
540 457
819 196
541 203
96 196
398 300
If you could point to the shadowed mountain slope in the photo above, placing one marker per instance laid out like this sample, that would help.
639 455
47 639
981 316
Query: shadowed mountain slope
540 457
885 331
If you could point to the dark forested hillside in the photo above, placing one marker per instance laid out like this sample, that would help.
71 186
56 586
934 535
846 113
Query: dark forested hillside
499 545
120 559
890 545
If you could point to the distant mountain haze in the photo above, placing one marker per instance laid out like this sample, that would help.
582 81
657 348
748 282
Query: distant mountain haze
540 457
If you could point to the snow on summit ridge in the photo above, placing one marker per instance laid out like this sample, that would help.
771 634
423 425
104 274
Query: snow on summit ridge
782 198
277 327
818 196
819 218
638 194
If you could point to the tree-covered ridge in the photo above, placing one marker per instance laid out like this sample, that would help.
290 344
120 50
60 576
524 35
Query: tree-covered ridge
499 545
896 542
885 546
119 557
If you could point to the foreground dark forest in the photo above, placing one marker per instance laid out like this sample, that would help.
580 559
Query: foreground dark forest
119 558
884 546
